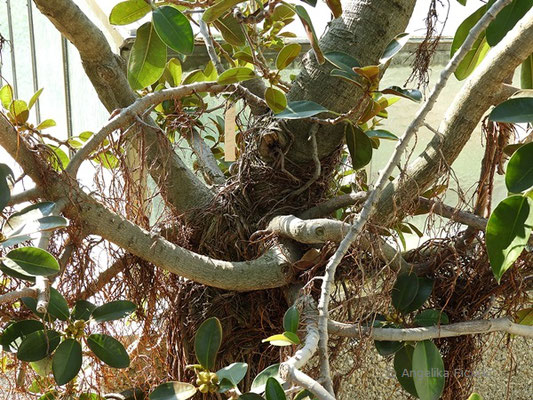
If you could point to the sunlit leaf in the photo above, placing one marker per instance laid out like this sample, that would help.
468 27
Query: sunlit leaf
237 74
32 261
6 96
173 391
230 29
394 47
283 339
525 317
519 174
411 94
234 372
429 368
506 20
514 111
287 55
20 111
335 6
47 123
258 384
526 73
381 134
218 9
301 109
310 32
34 98
276 99
126 12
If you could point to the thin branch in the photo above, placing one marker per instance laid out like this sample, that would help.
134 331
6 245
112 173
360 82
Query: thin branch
331 205
433 332
382 180
23 197
10 297
454 214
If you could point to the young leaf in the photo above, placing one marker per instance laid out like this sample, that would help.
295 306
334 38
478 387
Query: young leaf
526 73
525 316
126 12
394 47
514 111
15 332
301 109
109 350
6 96
147 59
234 372
310 32
218 9
508 231
291 319
287 55
276 99
258 384
173 391
207 342
283 339
113 310
506 20
34 98
519 174
174 29
47 123
237 74
403 367
82 310
404 291
431 317
20 111
38 345
67 361
428 369
273 390
475 396
411 94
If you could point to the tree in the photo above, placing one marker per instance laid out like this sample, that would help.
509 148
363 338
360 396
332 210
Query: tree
258 242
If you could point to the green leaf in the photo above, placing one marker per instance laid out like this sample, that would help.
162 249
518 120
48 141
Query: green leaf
67 361
403 367
411 94
258 384
82 310
475 396
113 310
359 147
276 99
5 192
431 317
346 63
394 47
107 160
301 109
478 50
42 367
34 98
230 29
147 59
38 345
109 350
462 2
526 73
175 70
173 391
519 174
32 261
234 75
126 12
174 29
508 231
525 316
514 111
234 372
287 55
20 111
15 332
381 134
6 96
273 390
428 369
283 339
51 395
425 287
47 123
57 307
310 32
305 395
218 9
506 20
351 77
207 342
404 291
59 159
291 319
387 347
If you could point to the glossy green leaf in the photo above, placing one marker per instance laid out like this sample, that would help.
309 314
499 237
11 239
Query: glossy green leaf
147 59
231 30
273 390
403 367
425 287
387 347
57 306
109 350
174 29
508 231
5 192
237 74
478 50
20 111
6 96
301 109
258 384
82 310
428 371
394 47
519 174
431 317
15 332
351 77
291 319
404 291
67 361
47 123
526 73
287 55
38 345
218 9
411 94
517 110
234 372
207 342
113 310
506 20
276 99
126 12
173 391
283 339
381 134
34 98
344 62
359 147
32 261
310 32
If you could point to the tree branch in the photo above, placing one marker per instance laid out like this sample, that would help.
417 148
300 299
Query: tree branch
12 296
333 204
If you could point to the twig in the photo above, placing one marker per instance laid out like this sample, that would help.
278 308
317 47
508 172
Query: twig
331 205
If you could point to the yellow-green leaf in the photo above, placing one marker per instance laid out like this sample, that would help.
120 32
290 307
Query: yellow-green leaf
6 96
126 12
234 75
276 100
218 9
287 55
20 111
34 98
47 123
